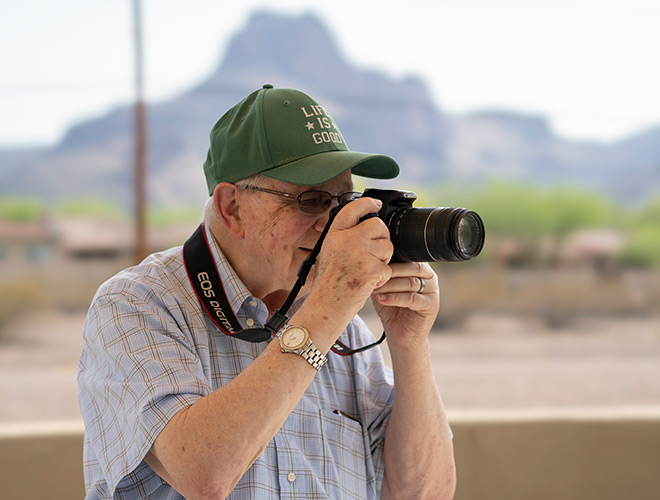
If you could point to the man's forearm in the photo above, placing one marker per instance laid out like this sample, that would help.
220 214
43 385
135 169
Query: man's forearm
419 455
205 449
232 425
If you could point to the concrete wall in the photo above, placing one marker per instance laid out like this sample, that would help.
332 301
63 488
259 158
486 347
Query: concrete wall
561 455
558 455
41 461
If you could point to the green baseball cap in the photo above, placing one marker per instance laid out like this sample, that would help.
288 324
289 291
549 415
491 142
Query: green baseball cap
286 135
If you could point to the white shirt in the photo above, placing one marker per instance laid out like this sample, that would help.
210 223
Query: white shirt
150 351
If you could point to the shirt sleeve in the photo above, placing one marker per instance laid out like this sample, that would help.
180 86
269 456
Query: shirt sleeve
138 369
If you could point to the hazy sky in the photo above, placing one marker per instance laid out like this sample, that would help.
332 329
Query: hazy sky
590 66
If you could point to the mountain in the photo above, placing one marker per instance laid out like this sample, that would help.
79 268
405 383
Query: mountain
376 113
502 145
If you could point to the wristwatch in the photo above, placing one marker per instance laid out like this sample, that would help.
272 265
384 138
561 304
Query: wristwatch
295 339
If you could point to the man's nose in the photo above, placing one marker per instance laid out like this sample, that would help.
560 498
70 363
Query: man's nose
322 220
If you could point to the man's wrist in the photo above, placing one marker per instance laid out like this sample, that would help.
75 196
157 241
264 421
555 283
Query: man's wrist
295 339
410 351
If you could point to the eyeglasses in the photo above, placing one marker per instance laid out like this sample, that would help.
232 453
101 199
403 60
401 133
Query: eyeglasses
311 202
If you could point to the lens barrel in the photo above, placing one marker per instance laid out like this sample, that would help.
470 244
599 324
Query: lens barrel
435 234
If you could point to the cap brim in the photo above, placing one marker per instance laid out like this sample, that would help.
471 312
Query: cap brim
323 167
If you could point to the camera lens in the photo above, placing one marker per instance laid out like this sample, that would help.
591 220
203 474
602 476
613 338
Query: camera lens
435 234
470 237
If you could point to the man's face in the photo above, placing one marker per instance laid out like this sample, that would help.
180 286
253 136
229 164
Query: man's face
278 236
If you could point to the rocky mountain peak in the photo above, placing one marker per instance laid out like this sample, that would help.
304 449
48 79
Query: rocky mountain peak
295 46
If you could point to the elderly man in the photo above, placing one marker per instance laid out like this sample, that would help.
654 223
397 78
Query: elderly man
183 391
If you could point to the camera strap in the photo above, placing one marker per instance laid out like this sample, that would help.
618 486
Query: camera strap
205 280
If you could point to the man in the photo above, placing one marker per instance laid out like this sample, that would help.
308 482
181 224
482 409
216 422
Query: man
178 404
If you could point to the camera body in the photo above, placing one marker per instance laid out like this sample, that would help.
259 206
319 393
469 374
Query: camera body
439 234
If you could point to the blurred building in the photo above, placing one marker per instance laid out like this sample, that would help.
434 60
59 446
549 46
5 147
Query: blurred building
25 248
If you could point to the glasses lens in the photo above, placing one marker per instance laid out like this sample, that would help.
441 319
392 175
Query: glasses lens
346 197
314 202
317 202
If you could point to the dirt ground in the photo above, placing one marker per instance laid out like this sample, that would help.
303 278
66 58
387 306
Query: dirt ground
493 362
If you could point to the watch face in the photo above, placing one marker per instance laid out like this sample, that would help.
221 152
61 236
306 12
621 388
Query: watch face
294 337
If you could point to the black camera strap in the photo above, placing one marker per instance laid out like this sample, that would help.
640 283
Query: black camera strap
343 350
205 280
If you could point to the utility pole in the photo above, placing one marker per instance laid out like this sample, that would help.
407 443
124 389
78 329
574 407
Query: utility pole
140 136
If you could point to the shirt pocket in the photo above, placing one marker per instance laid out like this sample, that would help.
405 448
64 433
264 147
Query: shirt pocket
345 455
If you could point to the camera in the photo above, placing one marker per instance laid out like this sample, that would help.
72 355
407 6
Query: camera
437 234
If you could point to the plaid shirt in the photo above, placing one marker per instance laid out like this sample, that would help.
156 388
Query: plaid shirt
150 351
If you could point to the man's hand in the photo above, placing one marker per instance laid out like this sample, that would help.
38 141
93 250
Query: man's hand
406 314
353 260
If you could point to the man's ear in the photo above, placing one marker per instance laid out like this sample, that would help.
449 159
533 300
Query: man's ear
225 203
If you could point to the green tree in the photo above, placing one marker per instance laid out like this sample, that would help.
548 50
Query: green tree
571 209
90 206
643 227
164 216
21 209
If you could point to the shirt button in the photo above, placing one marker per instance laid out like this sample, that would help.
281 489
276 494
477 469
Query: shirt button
250 322
253 303
291 477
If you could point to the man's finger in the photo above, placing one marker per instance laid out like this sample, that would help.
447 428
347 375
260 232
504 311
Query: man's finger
350 215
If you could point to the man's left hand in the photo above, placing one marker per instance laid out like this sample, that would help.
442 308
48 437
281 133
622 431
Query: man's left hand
408 303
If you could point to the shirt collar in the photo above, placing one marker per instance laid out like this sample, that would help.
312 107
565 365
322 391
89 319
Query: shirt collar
238 296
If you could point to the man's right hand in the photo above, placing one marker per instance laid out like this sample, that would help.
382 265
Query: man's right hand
353 261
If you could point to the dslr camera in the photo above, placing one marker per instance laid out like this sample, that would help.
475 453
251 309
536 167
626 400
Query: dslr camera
428 234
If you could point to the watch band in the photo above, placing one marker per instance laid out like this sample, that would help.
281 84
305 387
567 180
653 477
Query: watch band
313 356
308 350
